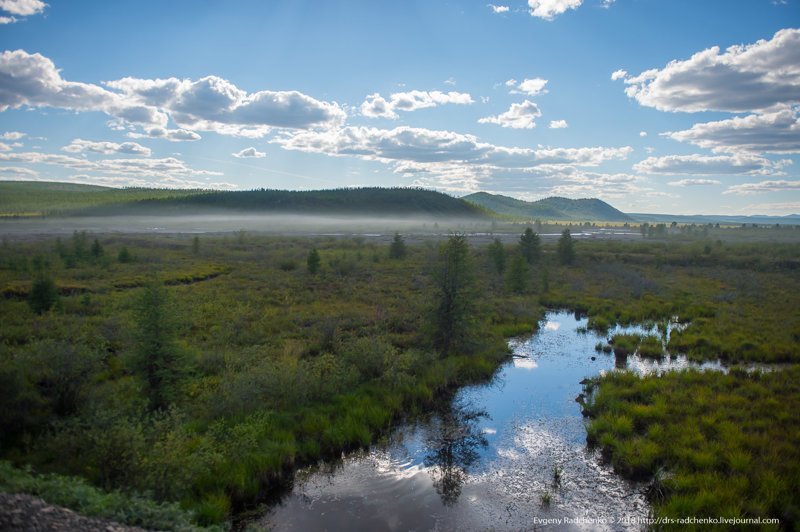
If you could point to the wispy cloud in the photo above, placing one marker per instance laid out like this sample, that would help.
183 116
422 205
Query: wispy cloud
763 186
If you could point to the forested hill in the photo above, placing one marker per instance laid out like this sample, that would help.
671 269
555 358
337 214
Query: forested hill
555 208
32 198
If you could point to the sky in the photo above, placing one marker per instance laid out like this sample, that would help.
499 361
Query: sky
656 106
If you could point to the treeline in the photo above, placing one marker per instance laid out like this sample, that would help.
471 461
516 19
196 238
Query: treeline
348 201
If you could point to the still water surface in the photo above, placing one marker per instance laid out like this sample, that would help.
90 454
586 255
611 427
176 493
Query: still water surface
486 461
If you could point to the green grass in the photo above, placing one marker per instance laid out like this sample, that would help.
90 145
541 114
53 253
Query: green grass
32 198
709 444
280 367
76 494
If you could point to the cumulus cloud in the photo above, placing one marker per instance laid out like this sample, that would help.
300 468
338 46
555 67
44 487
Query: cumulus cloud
550 9
376 106
618 74
519 116
498 9
558 124
743 78
250 152
22 8
643 133
710 165
106 147
207 104
443 159
531 87
693 182
763 186
777 132
8 20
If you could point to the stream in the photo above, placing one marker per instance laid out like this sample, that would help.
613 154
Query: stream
507 455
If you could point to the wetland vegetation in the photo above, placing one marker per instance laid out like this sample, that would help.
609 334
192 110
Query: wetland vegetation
199 371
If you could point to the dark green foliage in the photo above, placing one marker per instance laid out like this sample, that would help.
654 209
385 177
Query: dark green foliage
313 261
196 245
157 359
96 249
497 254
530 246
43 295
454 298
566 248
518 273
364 201
397 249
124 256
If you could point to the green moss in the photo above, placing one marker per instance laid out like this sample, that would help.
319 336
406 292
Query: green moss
712 444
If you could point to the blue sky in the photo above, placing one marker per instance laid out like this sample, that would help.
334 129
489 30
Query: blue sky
655 106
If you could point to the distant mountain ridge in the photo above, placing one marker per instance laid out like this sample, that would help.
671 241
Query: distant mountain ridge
553 208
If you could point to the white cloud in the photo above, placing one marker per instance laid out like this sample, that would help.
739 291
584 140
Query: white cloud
17 173
744 78
693 182
106 147
777 132
531 87
208 104
618 74
710 165
549 9
444 159
763 186
250 152
510 82
786 207
22 8
607 3
643 133
450 81
8 20
173 135
498 9
4 147
143 168
168 182
558 124
375 106
519 116
12 135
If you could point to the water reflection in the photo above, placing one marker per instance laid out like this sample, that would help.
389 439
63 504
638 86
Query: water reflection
486 460
454 446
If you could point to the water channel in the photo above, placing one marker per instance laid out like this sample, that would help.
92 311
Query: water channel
488 460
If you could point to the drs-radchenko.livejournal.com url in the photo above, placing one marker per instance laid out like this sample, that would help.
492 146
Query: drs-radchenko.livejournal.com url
637 521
